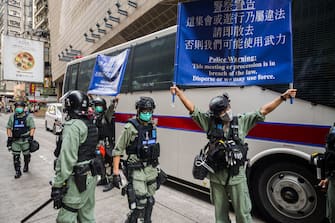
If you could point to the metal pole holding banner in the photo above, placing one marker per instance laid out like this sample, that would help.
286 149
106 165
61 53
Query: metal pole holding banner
291 87
173 96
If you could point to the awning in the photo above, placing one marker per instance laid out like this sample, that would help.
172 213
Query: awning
7 93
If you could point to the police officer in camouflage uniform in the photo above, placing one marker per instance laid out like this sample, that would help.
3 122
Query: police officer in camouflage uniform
223 185
73 189
138 140
105 121
329 183
20 132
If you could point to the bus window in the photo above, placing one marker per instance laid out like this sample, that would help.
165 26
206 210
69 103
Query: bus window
85 74
71 78
152 67
66 81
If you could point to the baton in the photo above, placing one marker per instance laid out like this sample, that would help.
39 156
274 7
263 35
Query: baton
37 210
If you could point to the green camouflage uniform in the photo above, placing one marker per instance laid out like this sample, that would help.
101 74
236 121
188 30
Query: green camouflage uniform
21 144
140 177
74 134
237 188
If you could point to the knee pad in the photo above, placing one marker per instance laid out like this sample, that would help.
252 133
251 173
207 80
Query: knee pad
16 158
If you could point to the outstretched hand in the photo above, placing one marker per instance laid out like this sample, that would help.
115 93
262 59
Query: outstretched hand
175 90
290 93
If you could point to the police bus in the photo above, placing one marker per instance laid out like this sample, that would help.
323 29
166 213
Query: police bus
281 179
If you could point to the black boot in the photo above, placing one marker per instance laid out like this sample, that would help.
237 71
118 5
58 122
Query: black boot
134 215
103 181
148 209
17 165
26 163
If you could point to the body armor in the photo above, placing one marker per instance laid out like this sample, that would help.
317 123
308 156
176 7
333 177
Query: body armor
87 149
230 152
145 145
20 126
106 130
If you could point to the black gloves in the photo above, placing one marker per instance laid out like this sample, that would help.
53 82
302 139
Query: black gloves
9 143
57 194
117 181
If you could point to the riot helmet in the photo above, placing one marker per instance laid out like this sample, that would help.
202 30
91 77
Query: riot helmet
218 104
100 102
145 103
76 103
19 107
20 103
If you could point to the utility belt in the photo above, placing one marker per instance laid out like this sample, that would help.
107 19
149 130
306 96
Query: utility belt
227 155
22 137
141 164
93 168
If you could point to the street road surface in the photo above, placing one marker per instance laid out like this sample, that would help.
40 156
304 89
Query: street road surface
19 197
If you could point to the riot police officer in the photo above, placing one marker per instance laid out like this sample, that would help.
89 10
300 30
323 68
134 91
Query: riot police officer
329 182
229 178
138 139
76 169
20 132
105 121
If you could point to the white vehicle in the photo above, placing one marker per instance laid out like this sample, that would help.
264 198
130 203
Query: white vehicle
53 117
282 181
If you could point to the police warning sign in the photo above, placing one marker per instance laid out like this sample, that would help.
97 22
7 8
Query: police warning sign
234 43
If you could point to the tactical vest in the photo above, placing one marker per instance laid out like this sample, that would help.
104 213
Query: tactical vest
87 149
230 152
330 153
145 145
20 126
105 129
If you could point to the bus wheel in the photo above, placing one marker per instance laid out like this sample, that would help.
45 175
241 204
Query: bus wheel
284 192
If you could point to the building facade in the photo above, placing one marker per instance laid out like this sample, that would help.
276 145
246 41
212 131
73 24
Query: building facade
27 19
80 28
15 20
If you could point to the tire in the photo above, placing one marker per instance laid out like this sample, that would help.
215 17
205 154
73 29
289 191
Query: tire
284 192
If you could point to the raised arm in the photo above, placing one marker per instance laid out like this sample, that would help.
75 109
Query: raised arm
269 107
187 103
